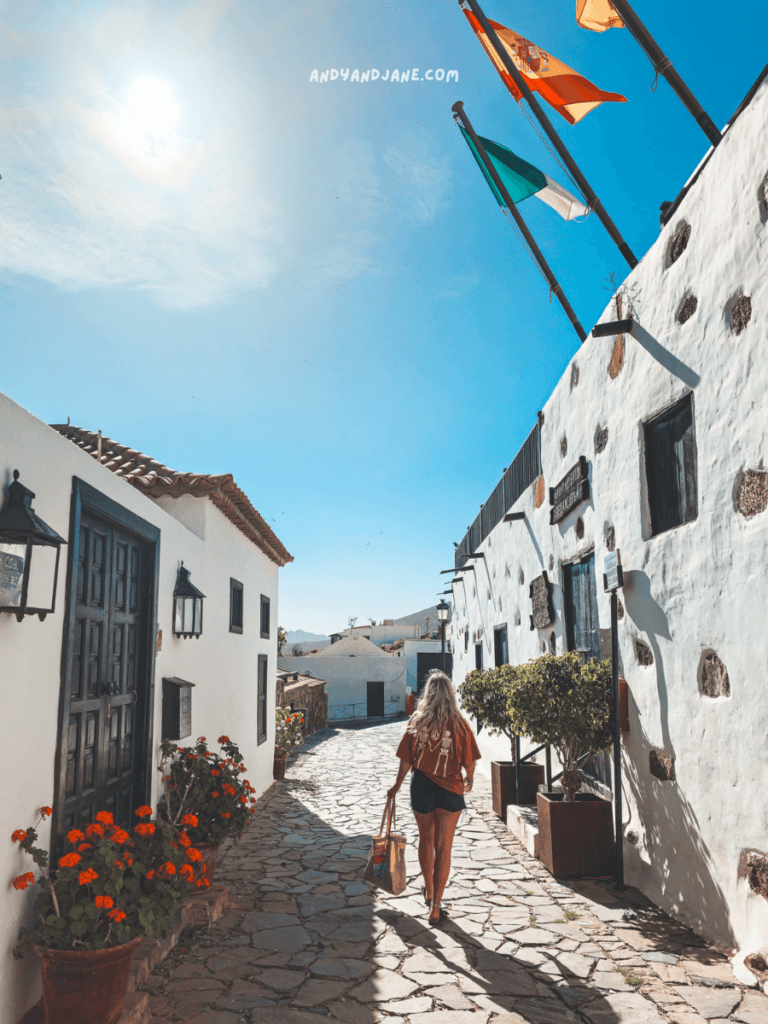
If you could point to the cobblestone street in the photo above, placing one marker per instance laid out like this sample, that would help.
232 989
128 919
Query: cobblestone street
306 939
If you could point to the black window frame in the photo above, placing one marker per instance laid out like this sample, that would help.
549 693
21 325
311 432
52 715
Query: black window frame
466 640
261 699
264 603
235 587
498 630
479 654
671 471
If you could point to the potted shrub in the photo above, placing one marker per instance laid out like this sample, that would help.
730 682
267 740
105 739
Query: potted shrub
563 702
205 795
112 887
288 734
484 696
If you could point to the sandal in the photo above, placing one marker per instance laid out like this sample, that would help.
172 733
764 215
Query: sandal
424 894
437 921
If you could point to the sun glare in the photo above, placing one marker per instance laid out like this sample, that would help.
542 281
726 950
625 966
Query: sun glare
152 107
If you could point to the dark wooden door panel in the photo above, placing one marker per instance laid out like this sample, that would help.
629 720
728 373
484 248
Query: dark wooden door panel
375 700
106 678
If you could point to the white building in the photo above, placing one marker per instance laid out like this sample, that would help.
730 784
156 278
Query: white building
84 691
362 681
663 428
384 633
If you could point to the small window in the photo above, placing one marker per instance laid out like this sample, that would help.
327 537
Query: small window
264 616
478 655
501 649
235 606
261 701
670 465
466 640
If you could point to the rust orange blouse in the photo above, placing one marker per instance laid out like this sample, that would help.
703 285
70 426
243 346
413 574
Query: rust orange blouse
441 757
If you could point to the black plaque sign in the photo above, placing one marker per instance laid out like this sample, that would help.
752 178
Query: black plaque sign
541 599
570 492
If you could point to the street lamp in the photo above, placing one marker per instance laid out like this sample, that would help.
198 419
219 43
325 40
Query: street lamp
187 606
442 616
22 532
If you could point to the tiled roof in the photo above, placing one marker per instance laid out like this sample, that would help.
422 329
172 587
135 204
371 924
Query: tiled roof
154 479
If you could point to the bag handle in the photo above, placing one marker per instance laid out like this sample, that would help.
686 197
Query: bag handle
388 816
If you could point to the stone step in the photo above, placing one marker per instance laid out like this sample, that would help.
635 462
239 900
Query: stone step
523 823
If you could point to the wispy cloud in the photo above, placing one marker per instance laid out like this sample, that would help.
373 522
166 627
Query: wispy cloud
89 199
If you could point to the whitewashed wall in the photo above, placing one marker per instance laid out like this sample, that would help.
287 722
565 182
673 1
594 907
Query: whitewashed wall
698 588
346 678
223 665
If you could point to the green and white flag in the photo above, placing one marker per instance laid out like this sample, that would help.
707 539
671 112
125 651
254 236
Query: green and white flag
522 179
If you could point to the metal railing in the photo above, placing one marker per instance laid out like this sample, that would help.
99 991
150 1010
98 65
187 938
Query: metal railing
519 475
358 711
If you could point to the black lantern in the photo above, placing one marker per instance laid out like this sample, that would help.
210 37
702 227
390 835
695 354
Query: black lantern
187 606
442 611
23 592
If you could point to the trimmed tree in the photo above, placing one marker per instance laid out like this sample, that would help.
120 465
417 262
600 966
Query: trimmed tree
485 695
565 703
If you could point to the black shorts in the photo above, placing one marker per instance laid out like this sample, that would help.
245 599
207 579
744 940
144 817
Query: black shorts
426 795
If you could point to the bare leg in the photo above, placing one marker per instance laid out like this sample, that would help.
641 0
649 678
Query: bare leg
426 824
445 828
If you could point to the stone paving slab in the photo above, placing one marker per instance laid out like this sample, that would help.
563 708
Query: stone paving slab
307 941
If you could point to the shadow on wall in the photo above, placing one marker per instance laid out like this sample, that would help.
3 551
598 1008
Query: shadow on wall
651 619
663 356
679 859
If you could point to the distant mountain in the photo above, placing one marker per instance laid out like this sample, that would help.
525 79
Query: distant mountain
300 636
420 619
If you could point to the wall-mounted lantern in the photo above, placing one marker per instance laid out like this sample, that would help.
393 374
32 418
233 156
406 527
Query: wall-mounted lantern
25 581
187 606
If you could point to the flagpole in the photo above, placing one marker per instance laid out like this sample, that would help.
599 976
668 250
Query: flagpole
663 66
589 194
458 109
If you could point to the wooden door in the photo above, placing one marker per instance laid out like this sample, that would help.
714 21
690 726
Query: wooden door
375 700
107 675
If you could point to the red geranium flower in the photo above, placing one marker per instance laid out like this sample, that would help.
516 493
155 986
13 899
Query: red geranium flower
225 815
19 835
94 830
223 739
84 846
145 829
189 820
143 812
150 875
104 902
119 836
215 794
69 860
105 817
116 914
46 811
87 876
22 881
75 835
187 871
168 868
194 854
202 882
184 839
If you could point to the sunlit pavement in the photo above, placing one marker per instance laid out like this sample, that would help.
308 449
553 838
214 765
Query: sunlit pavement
307 939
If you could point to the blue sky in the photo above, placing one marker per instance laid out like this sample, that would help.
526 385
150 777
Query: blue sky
234 269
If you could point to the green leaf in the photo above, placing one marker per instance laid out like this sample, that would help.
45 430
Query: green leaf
78 928
76 912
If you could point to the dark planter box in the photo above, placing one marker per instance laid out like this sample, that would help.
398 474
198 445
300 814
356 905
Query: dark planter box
576 838
503 775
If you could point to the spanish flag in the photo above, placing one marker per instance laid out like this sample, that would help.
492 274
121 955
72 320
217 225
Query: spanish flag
597 15
568 92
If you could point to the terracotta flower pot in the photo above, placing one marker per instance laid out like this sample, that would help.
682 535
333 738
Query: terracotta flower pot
278 767
209 851
85 986
503 774
576 837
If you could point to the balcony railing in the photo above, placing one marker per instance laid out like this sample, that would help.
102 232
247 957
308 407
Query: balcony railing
520 474
358 712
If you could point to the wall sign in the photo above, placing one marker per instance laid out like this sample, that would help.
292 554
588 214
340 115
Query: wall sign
613 577
570 492
541 599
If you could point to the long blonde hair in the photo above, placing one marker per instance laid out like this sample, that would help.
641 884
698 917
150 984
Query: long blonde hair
437 708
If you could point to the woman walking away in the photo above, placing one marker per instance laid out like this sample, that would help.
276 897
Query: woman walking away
437 744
